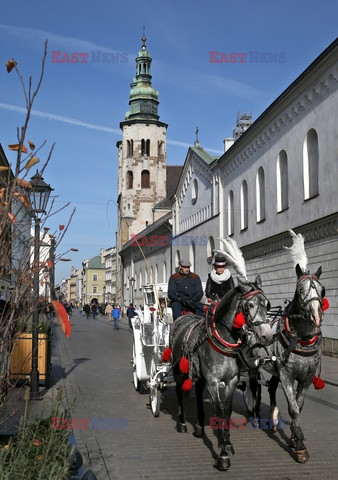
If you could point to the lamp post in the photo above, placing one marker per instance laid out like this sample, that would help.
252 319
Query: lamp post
104 294
132 282
39 196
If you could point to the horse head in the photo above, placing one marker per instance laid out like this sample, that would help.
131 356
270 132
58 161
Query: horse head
306 307
248 301
254 306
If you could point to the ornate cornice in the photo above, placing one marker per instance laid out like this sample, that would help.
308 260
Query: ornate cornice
304 102
318 230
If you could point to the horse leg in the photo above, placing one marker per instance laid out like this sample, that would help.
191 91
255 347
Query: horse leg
221 395
255 390
297 436
199 427
273 384
181 425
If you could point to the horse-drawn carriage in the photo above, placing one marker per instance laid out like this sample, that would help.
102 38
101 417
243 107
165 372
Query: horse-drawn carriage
241 329
151 329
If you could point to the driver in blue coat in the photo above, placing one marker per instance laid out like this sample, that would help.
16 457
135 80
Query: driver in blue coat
185 291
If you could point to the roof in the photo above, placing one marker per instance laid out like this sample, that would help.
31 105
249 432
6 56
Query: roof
173 176
95 263
204 155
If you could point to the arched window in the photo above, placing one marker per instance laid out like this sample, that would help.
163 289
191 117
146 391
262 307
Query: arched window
145 179
260 195
230 212
244 205
130 148
192 255
177 259
164 277
143 147
310 164
210 249
148 147
194 191
282 182
130 179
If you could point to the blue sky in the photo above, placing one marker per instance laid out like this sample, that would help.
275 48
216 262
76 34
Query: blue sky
81 105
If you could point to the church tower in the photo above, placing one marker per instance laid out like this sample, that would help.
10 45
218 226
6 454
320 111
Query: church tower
141 154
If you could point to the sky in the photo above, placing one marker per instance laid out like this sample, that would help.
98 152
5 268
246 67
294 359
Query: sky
80 105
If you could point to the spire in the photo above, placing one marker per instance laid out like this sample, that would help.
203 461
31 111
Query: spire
143 98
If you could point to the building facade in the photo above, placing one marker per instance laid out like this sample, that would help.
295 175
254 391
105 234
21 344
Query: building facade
279 174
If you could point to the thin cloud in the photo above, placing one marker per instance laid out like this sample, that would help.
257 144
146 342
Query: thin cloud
60 118
80 123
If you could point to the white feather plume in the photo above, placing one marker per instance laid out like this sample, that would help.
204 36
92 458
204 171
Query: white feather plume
233 255
297 250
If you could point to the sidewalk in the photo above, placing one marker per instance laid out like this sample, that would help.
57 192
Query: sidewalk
93 366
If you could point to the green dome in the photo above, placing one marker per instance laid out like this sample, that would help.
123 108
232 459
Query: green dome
143 90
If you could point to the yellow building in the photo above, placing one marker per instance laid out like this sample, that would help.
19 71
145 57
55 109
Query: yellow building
93 279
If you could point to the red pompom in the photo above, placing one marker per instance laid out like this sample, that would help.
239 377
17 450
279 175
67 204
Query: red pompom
187 385
318 383
239 320
184 365
325 304
166 355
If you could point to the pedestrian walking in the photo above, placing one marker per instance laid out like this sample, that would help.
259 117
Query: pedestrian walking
130 314
108 310
86 309
93 309
116 313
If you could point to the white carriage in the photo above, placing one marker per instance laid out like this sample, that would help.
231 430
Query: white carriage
151 329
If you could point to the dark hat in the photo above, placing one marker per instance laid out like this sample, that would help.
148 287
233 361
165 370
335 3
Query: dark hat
220 261
185 262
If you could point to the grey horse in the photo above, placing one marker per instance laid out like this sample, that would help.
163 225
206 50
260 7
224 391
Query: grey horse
211 348
295 355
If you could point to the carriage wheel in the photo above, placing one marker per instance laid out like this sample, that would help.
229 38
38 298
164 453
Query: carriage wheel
248 396
136 381
155 393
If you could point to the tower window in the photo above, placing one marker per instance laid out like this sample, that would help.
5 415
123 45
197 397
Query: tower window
130 179
130 148
145 179
145 147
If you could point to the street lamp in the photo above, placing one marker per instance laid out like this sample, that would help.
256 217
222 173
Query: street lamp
38 196
132 282
104 294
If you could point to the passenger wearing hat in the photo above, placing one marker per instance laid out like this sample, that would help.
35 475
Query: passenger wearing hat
185 290
219 280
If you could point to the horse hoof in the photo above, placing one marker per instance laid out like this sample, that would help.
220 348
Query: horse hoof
302 455
182 428
199 431
223 463
274 428
230 449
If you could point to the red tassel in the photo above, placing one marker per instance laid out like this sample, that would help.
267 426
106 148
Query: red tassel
63 318
325 304
318 383
184 365
187 385
239 320
166 355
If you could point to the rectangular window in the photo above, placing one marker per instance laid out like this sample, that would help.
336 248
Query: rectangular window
94 289
94 277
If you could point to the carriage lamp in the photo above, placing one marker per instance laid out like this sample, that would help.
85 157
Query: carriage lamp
132 283
38 196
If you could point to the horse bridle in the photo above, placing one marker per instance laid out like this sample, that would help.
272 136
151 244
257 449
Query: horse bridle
246 311
304 301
